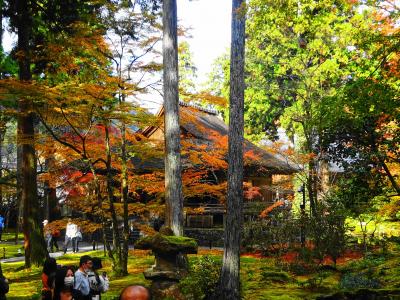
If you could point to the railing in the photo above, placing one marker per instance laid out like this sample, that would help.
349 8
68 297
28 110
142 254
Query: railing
248 207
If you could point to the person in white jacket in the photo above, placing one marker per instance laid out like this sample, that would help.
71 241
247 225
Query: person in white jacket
70 235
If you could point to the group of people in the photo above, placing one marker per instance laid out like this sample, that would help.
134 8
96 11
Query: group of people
66 283
73 236
85 283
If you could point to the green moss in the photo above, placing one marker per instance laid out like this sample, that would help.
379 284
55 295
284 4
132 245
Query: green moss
167 244
181 241
11 250
275 276
261 278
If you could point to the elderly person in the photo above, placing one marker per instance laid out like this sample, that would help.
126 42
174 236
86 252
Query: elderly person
47 234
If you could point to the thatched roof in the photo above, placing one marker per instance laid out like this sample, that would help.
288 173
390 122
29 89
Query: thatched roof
206 127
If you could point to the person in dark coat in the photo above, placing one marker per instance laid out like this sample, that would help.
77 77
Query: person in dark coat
4 287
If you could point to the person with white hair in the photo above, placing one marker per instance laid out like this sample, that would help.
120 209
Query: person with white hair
47 234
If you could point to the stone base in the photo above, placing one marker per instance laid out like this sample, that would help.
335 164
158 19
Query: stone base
151 274
165 289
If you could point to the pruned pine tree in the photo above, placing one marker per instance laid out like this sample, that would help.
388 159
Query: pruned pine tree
230 276
173 176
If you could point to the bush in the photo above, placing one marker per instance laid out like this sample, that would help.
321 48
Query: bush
301 268
273 234
327 230
357 281
315 282
275 276
202 279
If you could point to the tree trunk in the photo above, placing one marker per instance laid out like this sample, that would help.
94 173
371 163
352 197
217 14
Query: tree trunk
230 274
35 248
124 190
117 265
173 176
52 212
389 175
311 186
19 192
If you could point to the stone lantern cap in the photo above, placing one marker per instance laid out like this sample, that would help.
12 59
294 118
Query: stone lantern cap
167 244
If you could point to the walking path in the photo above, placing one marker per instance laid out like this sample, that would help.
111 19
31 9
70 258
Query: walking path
83 247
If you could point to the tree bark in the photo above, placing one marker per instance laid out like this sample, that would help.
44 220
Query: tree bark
389 175
173 176
124 190
118 261
230 274
35 248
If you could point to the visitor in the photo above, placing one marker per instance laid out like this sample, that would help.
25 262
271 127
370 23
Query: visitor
81 282
98 283
55 235
4 287
1 226
48 278
135 292
64 280
47 234
78 238
70 235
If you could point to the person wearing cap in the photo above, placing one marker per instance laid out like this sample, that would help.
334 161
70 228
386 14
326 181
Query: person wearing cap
81 282
47 234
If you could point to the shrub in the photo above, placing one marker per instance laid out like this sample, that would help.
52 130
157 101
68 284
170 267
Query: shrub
273 234
202 279
351 281
301 268
275 276
315 282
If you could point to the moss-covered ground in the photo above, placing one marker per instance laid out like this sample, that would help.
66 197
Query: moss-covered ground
284 277
8 248
262 278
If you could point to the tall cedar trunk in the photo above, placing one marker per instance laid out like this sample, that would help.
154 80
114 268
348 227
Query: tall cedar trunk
230 276
173 176
118 269
19 192
35 249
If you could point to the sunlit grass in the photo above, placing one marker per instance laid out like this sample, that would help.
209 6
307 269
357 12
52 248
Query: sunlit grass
26 284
